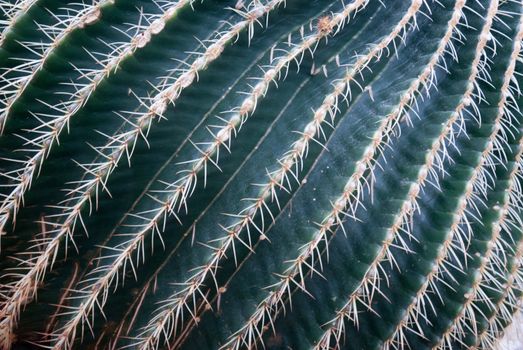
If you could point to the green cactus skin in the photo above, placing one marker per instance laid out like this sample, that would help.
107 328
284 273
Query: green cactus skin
280 174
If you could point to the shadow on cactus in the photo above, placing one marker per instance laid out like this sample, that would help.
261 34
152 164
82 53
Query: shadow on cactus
280 174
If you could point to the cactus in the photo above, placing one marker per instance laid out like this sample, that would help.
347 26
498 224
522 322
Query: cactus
272 174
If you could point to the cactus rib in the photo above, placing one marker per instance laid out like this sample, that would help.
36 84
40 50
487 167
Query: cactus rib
13 12
66 335
47 133
435 157
397 338
16 86
514 281
57 33
249 332
454 332
22 290
278 178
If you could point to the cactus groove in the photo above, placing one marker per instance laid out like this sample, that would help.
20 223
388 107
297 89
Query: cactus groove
242 174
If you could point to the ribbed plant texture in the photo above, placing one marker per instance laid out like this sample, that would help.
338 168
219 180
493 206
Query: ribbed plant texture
279 174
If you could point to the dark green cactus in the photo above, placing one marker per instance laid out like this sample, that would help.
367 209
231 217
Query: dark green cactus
287 174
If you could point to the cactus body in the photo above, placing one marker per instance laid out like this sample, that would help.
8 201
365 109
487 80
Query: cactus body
260 173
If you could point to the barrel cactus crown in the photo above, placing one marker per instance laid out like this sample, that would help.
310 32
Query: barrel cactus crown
278 174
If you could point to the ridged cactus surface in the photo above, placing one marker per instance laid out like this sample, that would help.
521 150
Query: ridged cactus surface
279 174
